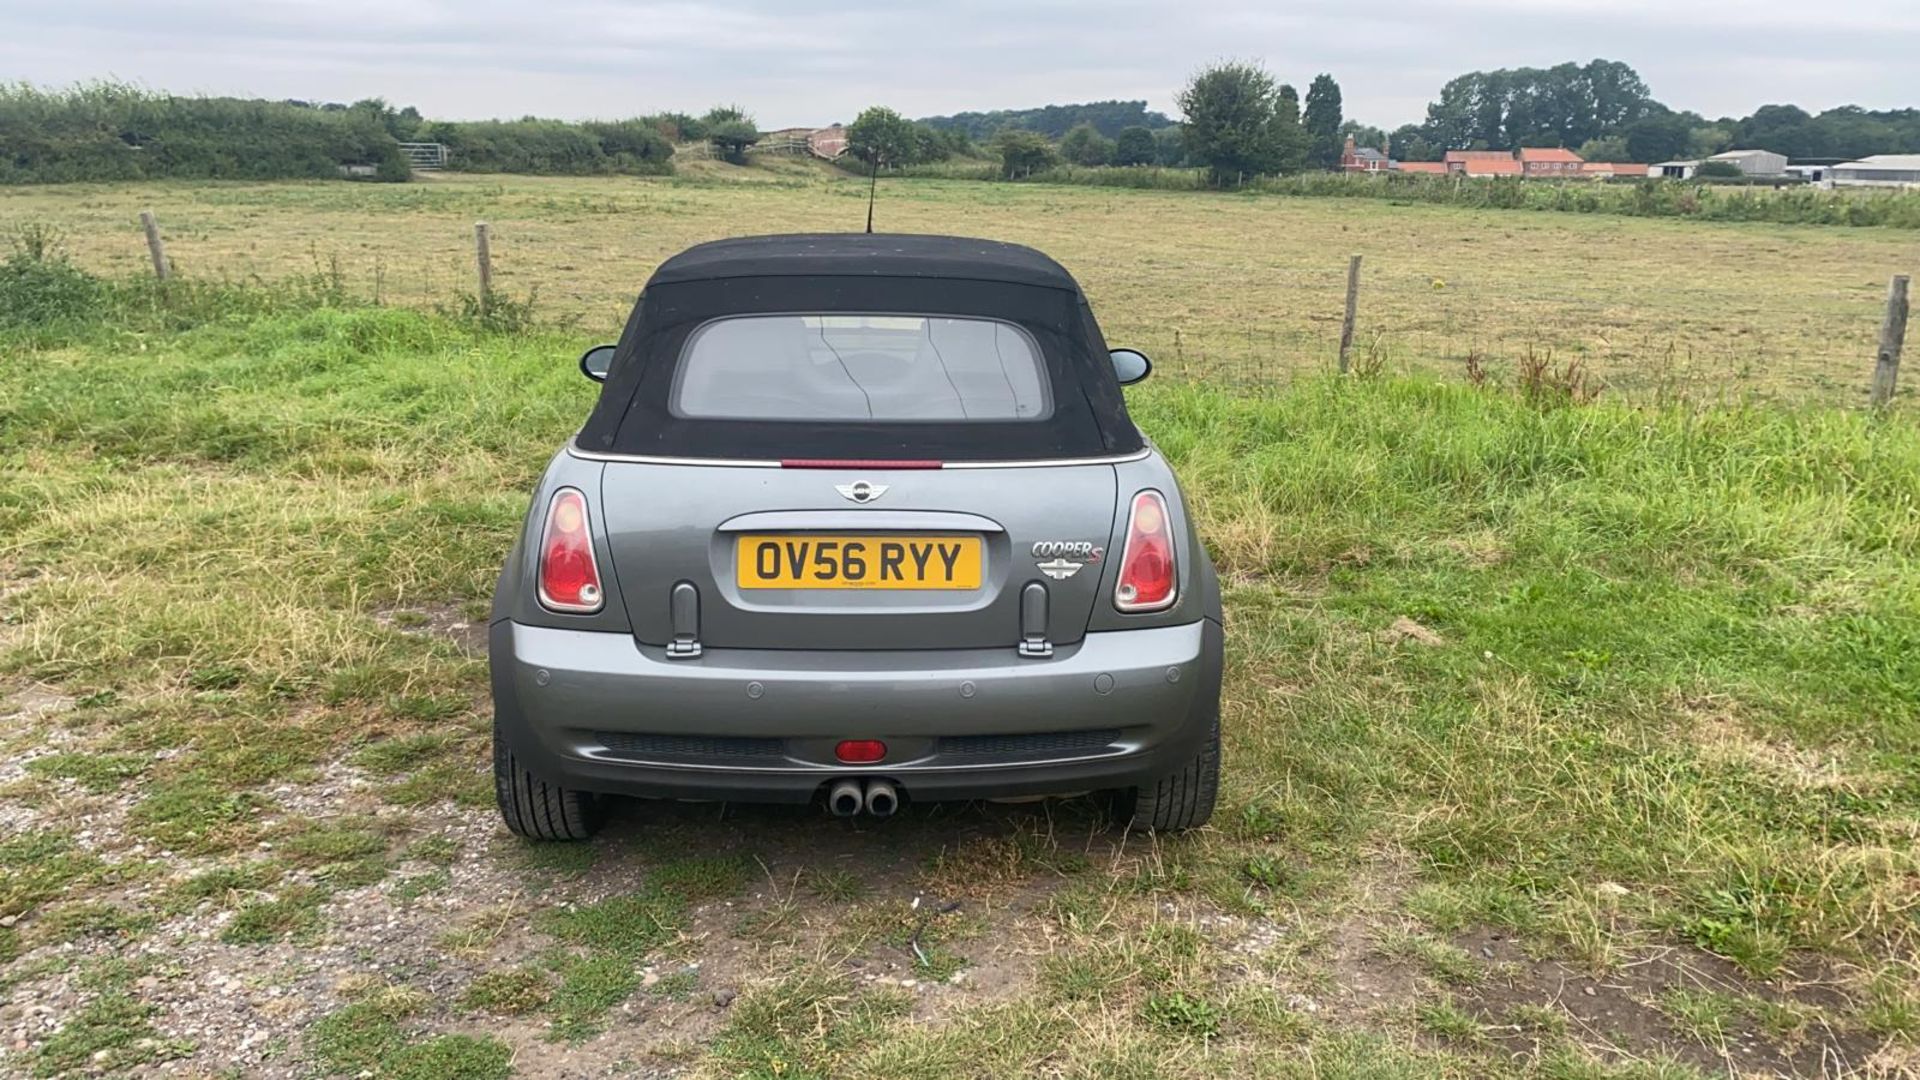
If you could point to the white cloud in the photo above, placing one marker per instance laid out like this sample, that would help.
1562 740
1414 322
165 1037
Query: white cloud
805 61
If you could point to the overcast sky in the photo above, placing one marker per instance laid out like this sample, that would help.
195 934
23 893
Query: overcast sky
793 62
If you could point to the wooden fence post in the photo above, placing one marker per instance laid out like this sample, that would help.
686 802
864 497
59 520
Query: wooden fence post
1893 332
1353 302
156 247
483 257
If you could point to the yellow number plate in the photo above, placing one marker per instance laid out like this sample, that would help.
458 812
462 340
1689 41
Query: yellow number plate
858 562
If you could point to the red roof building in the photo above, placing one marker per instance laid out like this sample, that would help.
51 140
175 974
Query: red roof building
1494 166
1456 160
828 142
1363 158
1601 170
1438 168
1548 161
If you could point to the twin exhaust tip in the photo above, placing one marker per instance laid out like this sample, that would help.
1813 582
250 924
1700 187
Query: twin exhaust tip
849 797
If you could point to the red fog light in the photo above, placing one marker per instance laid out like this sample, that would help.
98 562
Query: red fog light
860 751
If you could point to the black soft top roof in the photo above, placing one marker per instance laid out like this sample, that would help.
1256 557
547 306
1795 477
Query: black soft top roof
877 255
870 274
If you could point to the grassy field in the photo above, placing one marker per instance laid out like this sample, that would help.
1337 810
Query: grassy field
1563 741
1243 286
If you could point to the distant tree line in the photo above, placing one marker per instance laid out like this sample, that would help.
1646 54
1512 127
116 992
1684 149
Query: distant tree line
1604 110
884 139
1240 122
1108 118
111 131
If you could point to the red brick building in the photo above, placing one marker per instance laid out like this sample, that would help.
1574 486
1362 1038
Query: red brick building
828 142
1458 160
1364 159
1548 162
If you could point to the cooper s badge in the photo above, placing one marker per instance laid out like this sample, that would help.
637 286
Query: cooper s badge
1057 558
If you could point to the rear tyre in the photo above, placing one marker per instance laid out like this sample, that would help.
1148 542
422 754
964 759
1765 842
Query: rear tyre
1182 799
536 809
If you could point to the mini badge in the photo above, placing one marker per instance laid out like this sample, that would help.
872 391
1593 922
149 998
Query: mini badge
1059 569
861 491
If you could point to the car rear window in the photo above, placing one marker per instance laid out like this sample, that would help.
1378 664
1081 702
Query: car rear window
860 367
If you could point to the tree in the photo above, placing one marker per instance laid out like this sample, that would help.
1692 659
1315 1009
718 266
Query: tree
1170 146
1084 145
1564 105
1232 124
880 136
1322 121
1363 134
1022 153
1133 147
731 131
1708 140
1409 143
679 127
1658 138
1606 148
1718 170
1054 121
399 123
1289 138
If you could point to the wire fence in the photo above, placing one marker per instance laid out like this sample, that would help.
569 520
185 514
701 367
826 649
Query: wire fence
1715 338
1674 347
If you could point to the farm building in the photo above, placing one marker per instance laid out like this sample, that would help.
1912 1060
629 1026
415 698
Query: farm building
1532 162
1755 162
1674 170
1607 170
1880 170
1549 162
828 142
1500 165
1457 160
1356 158
1435 168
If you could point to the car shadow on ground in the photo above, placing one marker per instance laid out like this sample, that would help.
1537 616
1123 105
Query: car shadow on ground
1038 832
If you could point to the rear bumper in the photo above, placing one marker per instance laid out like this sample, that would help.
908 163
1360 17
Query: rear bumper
599 712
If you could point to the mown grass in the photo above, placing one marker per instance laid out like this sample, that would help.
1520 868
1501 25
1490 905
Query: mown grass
1210 284
1663 697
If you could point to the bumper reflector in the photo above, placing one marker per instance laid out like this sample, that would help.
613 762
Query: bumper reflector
860 751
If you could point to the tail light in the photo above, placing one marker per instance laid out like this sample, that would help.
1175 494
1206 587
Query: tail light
1147 572
569 577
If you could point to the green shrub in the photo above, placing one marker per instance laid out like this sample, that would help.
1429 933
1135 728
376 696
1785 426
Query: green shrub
111 131
1023 153
554 147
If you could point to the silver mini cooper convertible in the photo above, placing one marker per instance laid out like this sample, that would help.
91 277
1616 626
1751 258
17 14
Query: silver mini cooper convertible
857 519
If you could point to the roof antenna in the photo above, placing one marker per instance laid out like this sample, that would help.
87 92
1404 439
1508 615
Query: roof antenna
873 181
